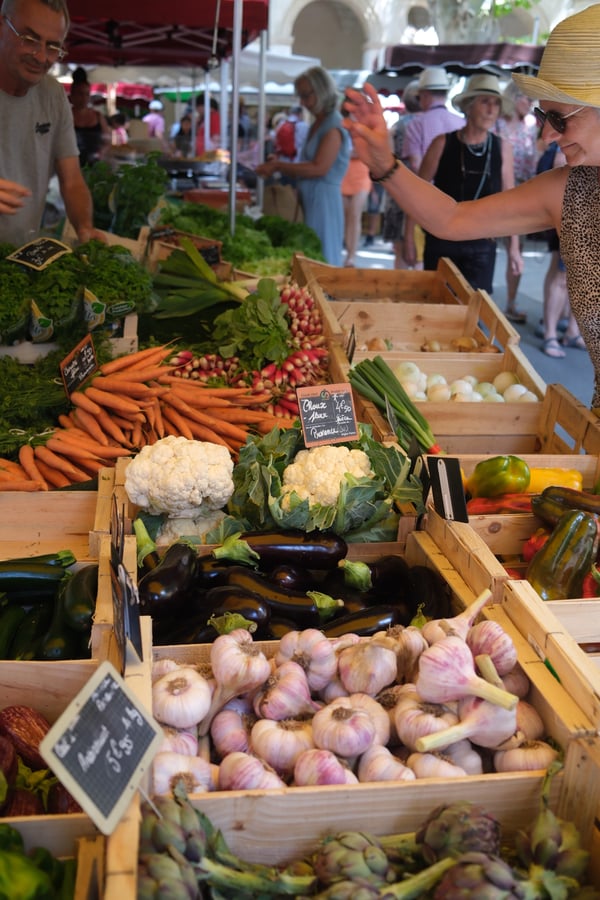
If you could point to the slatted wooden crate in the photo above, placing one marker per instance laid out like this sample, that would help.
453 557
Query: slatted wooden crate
46 521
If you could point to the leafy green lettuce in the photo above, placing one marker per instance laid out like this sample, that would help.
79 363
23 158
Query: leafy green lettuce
367 508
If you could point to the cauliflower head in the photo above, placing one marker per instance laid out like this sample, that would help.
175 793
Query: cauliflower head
180 477
317 474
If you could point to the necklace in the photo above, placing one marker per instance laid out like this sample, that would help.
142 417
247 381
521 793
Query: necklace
477 150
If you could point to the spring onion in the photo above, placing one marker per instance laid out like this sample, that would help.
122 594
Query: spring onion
374 379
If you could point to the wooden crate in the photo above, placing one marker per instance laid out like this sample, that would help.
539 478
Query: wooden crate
559 423
49 687
162 242
405 327
47 521
136 246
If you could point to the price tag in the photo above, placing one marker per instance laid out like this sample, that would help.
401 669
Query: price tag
79 364
39 253
327 414
447 488
102 746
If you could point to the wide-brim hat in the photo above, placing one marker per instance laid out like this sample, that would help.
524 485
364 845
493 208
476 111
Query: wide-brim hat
482 85
434 78
570 68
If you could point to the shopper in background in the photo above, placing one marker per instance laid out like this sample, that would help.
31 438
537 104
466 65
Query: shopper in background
517 124
323 162
467 164
91 128
183 141
214 126
566 198
290 135
38 138
155 120
118 124
355 190
393 217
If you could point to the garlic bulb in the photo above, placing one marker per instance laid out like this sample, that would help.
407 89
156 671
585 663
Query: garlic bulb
168 768
369 666
176 741
320 767
379 764
313 652
490 638
285 694
465 755
230 729
280 743
243 772
414 718
342 728
378 715
484 723
436 629
181 698
162 666
529 757
517 682
434 765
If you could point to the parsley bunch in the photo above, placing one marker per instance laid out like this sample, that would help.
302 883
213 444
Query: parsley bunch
257 331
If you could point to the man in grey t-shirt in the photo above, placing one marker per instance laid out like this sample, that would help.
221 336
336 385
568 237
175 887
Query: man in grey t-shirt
37 138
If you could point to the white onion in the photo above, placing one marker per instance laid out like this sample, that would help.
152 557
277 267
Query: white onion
528 397
407 371
461 386
504 380
513 392
485 387
439 393
435 378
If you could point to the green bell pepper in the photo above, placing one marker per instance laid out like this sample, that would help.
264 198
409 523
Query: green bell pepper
20 879
499 475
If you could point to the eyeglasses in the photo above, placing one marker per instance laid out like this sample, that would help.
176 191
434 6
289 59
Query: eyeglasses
554 119
35 46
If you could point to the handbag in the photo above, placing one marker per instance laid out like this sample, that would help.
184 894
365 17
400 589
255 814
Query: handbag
282 200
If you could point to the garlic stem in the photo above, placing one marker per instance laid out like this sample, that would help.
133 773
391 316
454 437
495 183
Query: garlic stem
487 669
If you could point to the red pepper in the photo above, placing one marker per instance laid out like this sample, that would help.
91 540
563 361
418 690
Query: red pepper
534 543
590 586
503 503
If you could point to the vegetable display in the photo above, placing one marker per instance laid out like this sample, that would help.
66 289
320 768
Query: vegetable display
34 875
558 568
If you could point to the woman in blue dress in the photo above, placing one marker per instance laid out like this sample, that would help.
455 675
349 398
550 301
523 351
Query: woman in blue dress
323 162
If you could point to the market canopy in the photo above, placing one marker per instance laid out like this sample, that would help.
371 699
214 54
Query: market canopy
155 32
461 59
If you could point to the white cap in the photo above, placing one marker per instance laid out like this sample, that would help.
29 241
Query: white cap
155 105
434 78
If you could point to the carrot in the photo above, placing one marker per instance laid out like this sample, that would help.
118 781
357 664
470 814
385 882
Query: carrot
12 467
173 416
202 433
121 404
70 449
209 390
59 462
214 423
196 396
82 400
129 388
133 359
101 451
158 421
144 373
10 476
51 475
112 429
26 484
239 416
27 460
89 424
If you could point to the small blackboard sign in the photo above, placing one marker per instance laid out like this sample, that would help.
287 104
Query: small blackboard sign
327 414
39 253
447 488
102 746
79 364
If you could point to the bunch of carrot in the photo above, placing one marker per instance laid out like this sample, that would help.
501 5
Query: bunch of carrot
132 401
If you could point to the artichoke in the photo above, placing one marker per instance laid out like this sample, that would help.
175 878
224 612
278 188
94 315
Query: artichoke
351 855
453 829
480 876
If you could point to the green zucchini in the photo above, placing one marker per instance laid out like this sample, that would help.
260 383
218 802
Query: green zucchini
554 501
28 576
558 569
59 642
10 620
25 642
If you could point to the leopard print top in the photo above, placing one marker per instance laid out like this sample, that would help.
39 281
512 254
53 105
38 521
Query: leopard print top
580 250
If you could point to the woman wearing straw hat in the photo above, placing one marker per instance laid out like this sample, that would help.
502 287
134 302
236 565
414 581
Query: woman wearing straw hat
567 88
467 164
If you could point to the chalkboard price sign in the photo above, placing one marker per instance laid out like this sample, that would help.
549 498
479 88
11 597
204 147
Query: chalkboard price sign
102 746
39 253
327 414
79 364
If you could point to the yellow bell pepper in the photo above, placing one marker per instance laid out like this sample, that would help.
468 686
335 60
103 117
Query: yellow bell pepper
540 478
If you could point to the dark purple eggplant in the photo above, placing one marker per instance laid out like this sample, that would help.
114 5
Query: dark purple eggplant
210 572
193 630
279 626
430 592
364 622
164 590
293 578
61 802
389 573
229 598
304 608
306 549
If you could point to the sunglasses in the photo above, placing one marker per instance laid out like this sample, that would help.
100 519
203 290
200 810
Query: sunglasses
554 119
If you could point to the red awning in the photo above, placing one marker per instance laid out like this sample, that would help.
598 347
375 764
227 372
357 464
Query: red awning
155 32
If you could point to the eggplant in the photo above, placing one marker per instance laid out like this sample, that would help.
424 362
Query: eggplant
389 573
229 598
164 590
210 572
292 578
278 626
192 631
364 622
306 549
304 609
430 592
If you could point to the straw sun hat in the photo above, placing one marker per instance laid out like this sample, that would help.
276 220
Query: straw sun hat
482 85
434 78
570 67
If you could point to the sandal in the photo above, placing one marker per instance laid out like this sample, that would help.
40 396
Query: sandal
513 315
575 343
552 348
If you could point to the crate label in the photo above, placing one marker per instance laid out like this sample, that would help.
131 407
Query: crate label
447 488
327 414
94 311
79 364
102 746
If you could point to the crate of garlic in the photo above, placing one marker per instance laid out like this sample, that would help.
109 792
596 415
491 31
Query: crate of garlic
387 761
